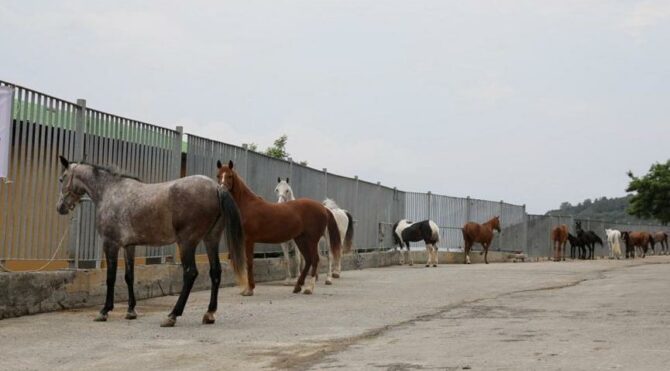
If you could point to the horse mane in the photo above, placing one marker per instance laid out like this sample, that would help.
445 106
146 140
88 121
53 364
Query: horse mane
111 170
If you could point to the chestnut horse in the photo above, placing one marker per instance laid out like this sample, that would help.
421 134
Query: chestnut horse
479 233
635 241
304 221
662 238
559 236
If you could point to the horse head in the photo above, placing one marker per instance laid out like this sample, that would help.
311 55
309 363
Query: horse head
496 224
283 191
226 176
71 187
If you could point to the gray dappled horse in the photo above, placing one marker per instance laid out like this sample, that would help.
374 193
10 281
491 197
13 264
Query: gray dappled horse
130 213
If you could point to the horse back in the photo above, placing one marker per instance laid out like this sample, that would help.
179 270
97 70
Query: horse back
476 232
279 222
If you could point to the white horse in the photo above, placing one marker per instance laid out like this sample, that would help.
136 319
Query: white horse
285 193
345 225
613 240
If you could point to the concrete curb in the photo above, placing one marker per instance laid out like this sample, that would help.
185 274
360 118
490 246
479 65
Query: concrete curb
38 292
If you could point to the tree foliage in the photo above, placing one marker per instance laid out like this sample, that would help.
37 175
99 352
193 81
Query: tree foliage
278 149
652 193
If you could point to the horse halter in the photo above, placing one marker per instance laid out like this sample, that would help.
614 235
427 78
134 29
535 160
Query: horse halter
69 192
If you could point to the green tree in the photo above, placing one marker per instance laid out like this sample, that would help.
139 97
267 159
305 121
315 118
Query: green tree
652 193
253 146
278 149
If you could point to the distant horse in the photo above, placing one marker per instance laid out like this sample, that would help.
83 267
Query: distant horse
345 225
576 243
636 243
285 193
479 233
662 238
559 236
427 231
130 213
590 238
613 241
302 220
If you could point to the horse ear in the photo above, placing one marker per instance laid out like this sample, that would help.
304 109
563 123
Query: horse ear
219 165
64 161
286 179
278 180
230 164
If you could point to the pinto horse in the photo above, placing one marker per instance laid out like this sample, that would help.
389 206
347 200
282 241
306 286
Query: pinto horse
662 238
639 241
427 231
479 233
130 213
303 221
345 225
559 236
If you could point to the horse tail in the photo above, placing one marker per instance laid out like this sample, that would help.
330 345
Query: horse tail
333 234
349 236
234 235
435 236
616 247
396 238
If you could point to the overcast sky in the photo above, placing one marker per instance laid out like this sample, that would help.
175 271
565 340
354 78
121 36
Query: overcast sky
523 101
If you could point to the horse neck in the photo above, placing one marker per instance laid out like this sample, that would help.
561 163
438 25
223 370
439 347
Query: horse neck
96 183
242 193
490 224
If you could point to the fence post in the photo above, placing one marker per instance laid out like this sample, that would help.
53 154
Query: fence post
79 155
429 194
354 207
176 169
290 169
380 238
500 219
525 231
246 161
325 183
467 211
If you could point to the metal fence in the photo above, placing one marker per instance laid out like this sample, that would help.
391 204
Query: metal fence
45 127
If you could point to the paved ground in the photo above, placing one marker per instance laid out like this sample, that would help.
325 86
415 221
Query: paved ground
576 315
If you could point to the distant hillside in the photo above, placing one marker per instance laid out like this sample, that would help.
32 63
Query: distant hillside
610 209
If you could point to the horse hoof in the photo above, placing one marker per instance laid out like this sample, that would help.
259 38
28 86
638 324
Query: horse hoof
328 281
169 322
427 265
247 292
307 292
100 318
288 282
434 265
411 264
297 290
131 314
208 318
336 275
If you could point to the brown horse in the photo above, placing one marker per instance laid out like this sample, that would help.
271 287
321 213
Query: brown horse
304 221
662 238
559 236
479 233
635 241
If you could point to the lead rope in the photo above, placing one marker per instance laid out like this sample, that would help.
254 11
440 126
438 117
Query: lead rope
53 257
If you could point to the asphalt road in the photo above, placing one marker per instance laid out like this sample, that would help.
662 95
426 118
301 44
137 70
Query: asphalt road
575 315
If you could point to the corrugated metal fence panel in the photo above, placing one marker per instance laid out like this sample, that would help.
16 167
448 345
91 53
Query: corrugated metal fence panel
135 148
307 182
42 129
262 173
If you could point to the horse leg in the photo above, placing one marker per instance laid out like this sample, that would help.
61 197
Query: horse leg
212 245
308 262
187 254
435 259
314 271
409 254
112 256
287 261
130 277
429 255
251 285
466 252
486 252
329 276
